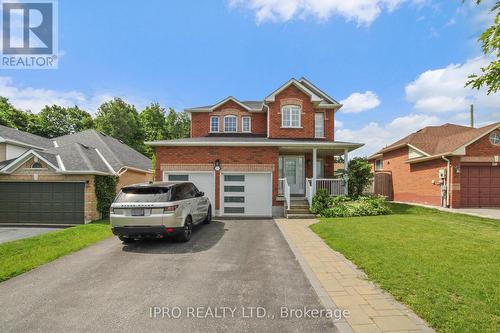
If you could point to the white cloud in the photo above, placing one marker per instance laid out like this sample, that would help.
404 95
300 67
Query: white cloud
364 12
34 99
376 136
359 102
443 90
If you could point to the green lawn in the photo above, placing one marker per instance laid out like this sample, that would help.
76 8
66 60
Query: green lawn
445 266
23 255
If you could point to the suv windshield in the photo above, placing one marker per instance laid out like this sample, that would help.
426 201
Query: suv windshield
146 194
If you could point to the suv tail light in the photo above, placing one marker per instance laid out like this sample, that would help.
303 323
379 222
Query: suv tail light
170 209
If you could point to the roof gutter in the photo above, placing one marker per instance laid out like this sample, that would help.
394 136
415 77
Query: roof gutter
255 144
428 158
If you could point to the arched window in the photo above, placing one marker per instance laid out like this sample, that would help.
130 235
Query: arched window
230 124
37 165
290 116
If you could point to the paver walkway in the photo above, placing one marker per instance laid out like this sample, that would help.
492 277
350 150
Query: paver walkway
371 309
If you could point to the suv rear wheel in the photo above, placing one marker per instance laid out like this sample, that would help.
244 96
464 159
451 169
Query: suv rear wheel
185 235
208 219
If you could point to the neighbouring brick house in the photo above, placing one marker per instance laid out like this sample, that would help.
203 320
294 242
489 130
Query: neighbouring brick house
448 165
51 181
249 157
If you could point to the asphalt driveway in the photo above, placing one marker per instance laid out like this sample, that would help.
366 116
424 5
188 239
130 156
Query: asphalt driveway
228 268
8 234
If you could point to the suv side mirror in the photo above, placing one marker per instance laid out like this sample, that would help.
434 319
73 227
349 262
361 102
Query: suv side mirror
200 194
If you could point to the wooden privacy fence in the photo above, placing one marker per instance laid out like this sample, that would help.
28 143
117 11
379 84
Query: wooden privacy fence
383 184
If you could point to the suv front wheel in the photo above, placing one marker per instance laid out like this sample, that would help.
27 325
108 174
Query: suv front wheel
185 235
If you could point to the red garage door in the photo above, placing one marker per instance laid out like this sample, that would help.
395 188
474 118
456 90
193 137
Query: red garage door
480 186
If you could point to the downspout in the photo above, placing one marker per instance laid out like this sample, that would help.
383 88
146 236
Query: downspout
448 185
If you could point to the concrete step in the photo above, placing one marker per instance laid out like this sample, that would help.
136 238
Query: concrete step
300 216
295 210
299 204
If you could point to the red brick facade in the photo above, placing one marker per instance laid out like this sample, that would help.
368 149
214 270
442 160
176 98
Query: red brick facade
200 121
414 182
294 96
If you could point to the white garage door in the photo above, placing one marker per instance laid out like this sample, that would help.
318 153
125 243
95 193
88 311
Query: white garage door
246 194
204 181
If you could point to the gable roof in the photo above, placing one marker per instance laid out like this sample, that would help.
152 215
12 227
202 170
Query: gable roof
293 81
316 95
116 153
84 152
252 106
17 137
440 140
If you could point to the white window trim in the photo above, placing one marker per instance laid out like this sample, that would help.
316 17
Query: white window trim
323 124
218 124
249 124
381 166
231 116
491 138
282 118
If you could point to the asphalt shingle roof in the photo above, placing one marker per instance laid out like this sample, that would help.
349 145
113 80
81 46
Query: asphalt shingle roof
435 140
24 137
80 151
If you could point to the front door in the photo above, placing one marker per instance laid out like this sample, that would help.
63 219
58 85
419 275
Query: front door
294 172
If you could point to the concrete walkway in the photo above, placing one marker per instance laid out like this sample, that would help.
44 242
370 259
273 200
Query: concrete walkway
371 309
490 213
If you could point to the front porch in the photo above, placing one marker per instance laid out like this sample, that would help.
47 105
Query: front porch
302 172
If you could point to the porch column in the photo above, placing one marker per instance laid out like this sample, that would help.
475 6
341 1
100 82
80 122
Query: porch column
315 162
346 178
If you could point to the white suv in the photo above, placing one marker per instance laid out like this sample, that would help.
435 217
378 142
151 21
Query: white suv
158 210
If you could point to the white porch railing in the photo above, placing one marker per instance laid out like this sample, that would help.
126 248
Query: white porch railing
309 191
334 187
284 190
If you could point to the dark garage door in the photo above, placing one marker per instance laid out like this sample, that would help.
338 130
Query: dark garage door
480 186
54 203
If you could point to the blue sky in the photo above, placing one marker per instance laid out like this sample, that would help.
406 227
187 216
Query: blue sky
396 65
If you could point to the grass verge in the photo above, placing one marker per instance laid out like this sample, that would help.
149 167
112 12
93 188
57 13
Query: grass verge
22 255
444 266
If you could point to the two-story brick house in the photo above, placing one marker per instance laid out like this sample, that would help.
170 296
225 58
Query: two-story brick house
249 157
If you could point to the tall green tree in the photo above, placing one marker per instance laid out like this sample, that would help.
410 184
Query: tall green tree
490 44
56 120
177 125
153 123
12 117
121 121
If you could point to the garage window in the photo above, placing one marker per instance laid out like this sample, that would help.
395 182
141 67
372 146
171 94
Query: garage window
234 188
495 138
234 178
234 210
178 178
234 199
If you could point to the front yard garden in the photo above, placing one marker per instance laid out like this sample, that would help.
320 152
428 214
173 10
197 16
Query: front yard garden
23 255
445 266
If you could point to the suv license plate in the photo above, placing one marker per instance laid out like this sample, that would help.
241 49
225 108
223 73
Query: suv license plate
138 212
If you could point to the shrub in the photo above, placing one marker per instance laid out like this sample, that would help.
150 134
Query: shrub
320 202
105 191
359 175
362 206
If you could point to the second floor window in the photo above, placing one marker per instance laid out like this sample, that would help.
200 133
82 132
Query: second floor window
214 124
319 125
230 124
379 164
290 116
246 124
